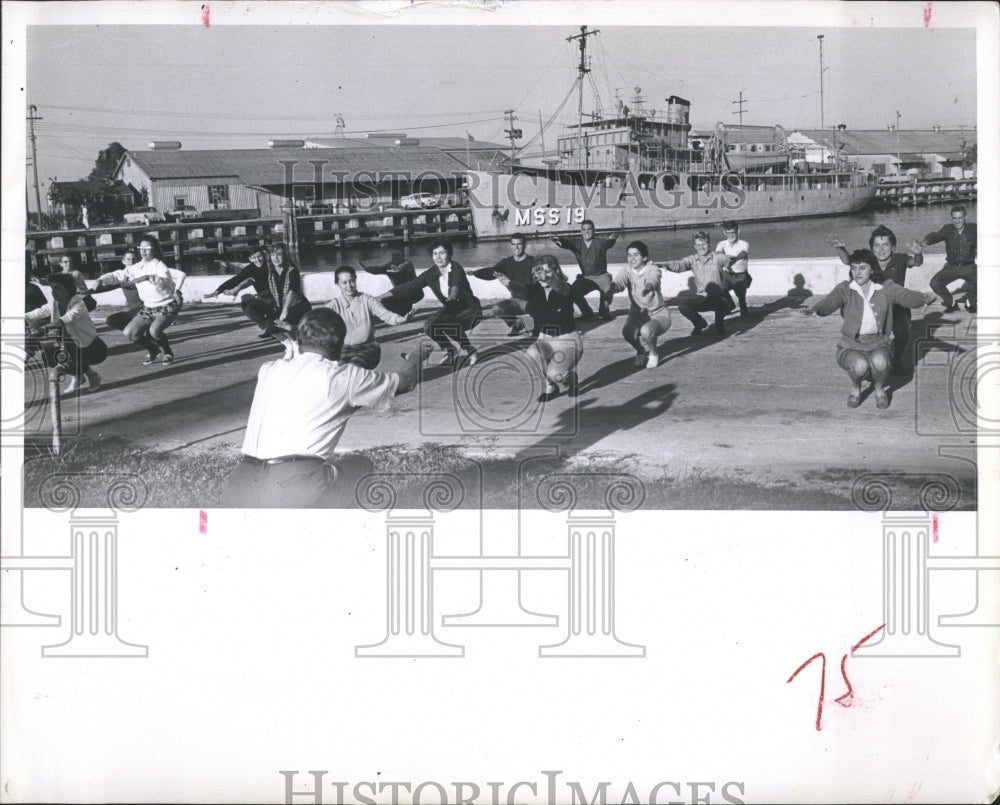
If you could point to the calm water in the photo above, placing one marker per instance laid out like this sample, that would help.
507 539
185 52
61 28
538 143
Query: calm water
800 238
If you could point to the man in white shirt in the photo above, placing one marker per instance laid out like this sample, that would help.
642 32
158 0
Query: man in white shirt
299 412
736 276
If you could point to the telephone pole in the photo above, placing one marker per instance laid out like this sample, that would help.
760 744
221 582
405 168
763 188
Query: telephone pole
513 134
583 69
34 159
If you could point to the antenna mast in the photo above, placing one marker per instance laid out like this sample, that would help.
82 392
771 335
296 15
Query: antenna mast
583 69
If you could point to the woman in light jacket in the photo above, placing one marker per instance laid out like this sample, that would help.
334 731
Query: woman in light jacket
159 289
865 347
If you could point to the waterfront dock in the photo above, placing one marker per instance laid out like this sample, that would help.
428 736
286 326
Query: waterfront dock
220 239
935 191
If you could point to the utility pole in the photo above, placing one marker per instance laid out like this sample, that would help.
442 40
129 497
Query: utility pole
740 112
513 134
899 162
34 160
583 69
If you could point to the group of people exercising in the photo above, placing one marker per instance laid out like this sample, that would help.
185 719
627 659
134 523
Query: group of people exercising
875 331
303 402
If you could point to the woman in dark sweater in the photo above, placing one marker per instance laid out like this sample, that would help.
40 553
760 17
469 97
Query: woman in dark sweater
559 345
460 310
865 347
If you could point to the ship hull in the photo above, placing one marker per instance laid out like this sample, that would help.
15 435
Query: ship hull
504 204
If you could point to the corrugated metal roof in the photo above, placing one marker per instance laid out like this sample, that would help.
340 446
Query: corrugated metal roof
444 143
879 141
265 166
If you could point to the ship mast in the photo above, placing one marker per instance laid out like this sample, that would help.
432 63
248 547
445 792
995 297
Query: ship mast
822 133
583 69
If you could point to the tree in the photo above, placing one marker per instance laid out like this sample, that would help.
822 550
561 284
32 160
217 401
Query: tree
971 156
106 162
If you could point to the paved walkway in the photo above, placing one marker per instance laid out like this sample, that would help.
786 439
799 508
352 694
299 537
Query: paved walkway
766 403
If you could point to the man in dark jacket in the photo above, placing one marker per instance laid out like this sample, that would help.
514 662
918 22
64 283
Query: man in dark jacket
960 262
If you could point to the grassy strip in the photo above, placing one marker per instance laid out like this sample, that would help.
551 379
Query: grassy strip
194 480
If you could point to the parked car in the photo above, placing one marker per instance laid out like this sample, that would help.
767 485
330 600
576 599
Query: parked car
320 209
417 201
145 216
183 212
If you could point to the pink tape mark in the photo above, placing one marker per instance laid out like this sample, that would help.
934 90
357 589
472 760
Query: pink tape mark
934 528
928 10
206 15
202 522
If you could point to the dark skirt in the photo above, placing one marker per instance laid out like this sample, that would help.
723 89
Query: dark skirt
366 355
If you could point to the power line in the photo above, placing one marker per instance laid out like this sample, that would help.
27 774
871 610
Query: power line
158 131
232 116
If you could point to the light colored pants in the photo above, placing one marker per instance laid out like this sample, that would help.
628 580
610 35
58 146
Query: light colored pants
558 354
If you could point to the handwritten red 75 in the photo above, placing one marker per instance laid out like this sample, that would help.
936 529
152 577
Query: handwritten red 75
846 699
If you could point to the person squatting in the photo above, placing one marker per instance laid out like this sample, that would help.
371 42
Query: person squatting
303 400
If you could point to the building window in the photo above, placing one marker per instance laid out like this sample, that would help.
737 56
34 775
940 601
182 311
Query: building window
218 196
304 194
180 202
879 168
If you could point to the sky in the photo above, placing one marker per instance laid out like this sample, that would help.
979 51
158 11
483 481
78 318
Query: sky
237 86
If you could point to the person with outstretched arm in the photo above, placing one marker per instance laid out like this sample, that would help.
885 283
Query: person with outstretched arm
514 273
960 261
591 254
892 267
299 413
866 307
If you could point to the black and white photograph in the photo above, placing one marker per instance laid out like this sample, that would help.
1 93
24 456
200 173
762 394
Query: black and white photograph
614 383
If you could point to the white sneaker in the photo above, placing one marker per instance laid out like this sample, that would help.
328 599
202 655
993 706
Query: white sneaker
653 362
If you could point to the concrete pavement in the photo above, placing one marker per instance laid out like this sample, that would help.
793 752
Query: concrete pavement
766 403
